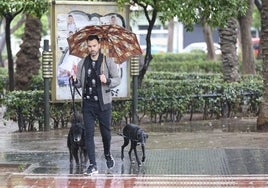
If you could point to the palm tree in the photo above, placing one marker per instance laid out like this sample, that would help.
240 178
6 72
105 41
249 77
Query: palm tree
228 37
262 121
28 63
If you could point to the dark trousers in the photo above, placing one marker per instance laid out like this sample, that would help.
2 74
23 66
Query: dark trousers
91 113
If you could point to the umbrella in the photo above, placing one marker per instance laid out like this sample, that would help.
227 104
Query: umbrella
117 42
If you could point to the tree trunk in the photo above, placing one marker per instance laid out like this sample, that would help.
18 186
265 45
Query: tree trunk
228 39
148 55
262 121
12 30
9 18
2 63
258 4
170 35
28 63
248 65
210 43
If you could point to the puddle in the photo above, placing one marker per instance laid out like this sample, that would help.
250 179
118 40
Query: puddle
221 125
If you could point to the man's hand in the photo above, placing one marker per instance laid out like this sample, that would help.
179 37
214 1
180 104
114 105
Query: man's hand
74 77
103 79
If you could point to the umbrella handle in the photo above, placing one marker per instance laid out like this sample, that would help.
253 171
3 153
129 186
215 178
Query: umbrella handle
102 65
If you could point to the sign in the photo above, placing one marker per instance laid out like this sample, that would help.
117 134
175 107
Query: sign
67 18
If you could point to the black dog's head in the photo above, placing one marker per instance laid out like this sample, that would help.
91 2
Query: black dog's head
77 118
142 136
145 136
77 128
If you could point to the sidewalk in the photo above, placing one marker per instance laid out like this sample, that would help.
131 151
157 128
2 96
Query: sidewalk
183 159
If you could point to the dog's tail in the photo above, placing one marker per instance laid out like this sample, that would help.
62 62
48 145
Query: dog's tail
120 134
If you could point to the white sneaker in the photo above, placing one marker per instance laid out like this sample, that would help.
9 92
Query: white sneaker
92 169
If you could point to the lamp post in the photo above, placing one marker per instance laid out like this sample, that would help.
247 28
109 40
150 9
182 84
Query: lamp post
47 59
135 74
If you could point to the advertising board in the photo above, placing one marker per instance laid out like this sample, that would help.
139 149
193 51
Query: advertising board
69 17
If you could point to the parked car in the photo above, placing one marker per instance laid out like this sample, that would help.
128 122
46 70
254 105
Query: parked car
201 46
256 46
155 49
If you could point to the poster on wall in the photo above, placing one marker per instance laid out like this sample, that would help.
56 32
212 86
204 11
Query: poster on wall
69 17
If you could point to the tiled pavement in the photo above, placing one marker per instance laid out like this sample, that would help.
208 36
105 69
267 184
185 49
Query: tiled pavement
41 160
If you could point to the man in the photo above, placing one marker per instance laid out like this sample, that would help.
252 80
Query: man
96 75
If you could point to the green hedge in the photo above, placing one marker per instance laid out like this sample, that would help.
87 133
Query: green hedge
176 84
200 66
161 75
173 57
168 99
190 62
25 107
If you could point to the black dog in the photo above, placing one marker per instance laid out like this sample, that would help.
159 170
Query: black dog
76 141
136 135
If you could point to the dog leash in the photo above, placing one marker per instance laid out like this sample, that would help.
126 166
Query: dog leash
72 90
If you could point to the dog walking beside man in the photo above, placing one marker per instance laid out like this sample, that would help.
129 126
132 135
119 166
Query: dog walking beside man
136 135
76 143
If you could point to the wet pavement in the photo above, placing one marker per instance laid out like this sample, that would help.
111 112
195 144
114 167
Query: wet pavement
198 158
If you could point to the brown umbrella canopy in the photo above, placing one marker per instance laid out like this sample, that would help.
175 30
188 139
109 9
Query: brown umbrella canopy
116 41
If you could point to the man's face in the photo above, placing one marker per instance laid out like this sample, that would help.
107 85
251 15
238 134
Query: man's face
93 47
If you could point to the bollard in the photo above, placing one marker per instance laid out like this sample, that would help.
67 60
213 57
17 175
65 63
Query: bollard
47 59
134 70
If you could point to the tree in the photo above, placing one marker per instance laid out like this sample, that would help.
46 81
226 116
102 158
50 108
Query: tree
151 8
28 63
262 121
3 34
170 35
258 4
209 40
9 10
214 13
245 22
228 38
